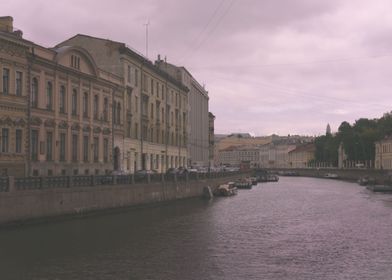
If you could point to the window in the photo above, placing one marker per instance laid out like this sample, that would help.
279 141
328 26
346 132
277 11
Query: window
129 74
144 132
74 102
96 148
152 111
74 147
18 141
49 146
34 93
136 104
34 145
49 96
96 104
118 113
136 77
18 83
75 61
145 82
145 106
85 105
62 99
129 129
151 134
85 148
163 91
136 131
129 96
62 146
6 81
105 150
4 140
157 88
152 87
105 109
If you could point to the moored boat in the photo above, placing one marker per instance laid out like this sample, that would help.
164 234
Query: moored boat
243 183
331 176
379 188
227 189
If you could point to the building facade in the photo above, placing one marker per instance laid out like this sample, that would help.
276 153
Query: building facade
65 126
14 69
301 156
150 114
235 155
198 118
211 139
383 154
274 155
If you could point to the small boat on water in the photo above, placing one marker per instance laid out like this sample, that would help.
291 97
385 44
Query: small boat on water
268 178
331 176
253 180
244 183
227 189
379 188
365 181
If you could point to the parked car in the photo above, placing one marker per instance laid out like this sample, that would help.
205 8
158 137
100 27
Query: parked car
143 173
178 171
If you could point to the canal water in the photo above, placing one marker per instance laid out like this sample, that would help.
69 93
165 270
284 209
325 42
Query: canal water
298 228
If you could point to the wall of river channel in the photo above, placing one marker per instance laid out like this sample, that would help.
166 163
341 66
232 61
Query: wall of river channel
33 199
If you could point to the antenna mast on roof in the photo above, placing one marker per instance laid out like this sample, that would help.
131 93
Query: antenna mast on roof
146 25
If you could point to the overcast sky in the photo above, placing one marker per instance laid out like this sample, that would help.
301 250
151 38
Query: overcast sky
270 66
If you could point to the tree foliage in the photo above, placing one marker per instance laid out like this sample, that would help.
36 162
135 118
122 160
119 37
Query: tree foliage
358 140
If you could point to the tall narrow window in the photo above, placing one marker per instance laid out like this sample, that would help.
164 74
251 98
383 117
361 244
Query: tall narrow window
85 105
129 129
85 148
114 112
152 87
136 104
34 145
49 96
96 104
74 147
105 150
118 113
136 77
96 149
105 109
18 141
74 102
34 93
152 111
129 74
62 146
4 140
129 96
49 146
62 99
18 83
6 81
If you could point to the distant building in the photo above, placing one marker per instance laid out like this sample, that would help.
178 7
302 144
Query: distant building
211 138
234 155
301 156
383 155
275 155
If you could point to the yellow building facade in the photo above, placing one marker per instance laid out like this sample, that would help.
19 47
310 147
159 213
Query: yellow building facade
150 115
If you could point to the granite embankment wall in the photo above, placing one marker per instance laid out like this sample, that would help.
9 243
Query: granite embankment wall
346 174
22 206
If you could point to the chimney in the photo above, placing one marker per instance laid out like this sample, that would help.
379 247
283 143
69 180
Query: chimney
6 24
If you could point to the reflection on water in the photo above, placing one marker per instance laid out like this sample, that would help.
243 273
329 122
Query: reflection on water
298 228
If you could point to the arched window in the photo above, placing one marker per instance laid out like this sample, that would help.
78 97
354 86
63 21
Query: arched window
62 100
34 93
49 96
